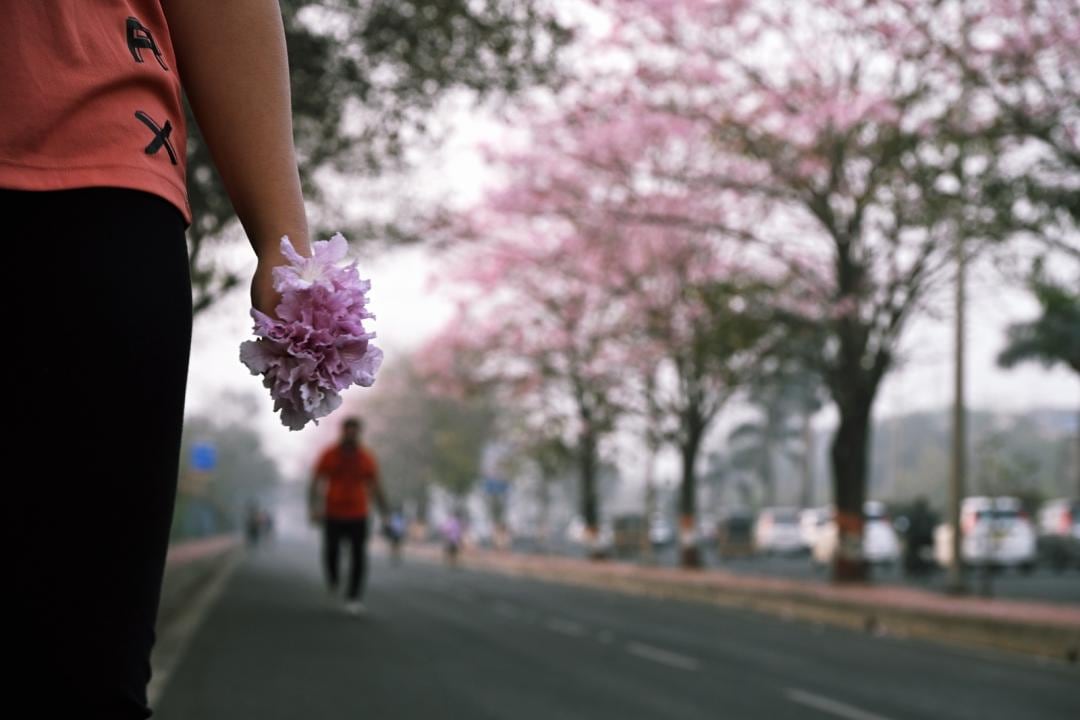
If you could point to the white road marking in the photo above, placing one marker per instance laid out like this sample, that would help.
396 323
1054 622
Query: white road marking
830 706
173 641
664 657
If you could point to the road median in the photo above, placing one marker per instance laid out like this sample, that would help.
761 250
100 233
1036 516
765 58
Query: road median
1040 629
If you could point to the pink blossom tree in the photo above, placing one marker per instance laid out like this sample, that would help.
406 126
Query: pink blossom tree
844 141
1020 60
678 326
843 146
535 327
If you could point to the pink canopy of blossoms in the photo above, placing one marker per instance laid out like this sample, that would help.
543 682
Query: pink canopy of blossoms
317 346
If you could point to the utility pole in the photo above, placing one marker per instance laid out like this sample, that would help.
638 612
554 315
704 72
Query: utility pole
957 581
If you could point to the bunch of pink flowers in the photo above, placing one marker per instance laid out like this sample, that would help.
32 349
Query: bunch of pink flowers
317 345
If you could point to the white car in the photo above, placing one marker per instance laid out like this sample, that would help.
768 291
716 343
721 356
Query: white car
1059 533
880 544
661 532
995 532
603 542
706 528
777 531
811 521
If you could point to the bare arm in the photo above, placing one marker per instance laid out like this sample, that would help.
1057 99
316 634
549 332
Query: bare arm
233 63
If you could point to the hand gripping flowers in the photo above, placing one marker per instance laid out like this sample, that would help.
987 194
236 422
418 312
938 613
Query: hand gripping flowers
317 346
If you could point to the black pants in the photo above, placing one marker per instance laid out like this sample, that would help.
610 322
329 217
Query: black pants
99 331
355 532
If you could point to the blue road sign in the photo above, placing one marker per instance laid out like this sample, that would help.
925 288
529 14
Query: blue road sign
495 486
203 457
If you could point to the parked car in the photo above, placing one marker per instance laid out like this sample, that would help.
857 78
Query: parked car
706 528
995 532
628 534
601 544
1058 527
810 522
735 533
777 531
880 544
661 531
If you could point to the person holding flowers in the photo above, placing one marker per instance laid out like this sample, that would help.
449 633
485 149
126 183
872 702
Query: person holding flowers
94 207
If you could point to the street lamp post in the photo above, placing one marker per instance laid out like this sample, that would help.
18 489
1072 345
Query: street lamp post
957 581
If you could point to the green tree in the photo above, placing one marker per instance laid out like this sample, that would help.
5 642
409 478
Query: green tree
366 77
1054 336
1051 338
757 444
243 472
424 437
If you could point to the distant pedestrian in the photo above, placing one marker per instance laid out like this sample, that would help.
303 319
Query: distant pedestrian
918 539
345 475
395 534
253 524
452 536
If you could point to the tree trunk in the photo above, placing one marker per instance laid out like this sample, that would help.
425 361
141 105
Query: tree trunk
589 505
498 515
689 552
806 493
647 553
849 460
544 532
768 477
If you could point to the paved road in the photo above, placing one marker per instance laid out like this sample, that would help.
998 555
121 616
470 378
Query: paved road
445 643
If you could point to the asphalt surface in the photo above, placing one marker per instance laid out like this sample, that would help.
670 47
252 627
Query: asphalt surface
441 642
